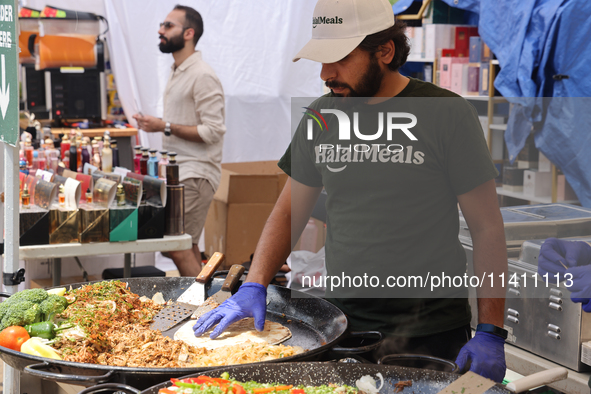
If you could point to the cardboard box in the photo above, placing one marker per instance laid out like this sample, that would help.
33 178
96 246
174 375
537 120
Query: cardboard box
457 70
513 179
483 79
33 226
537 184
564 192
438 36
313 237
240 208
473 77
462 39
544 165
64 225
123 223
445 69
475 53
94 223
151 222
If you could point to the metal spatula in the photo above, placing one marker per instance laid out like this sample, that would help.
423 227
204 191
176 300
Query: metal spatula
231 281
189 301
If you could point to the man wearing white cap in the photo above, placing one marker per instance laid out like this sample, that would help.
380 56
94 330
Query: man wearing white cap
392 197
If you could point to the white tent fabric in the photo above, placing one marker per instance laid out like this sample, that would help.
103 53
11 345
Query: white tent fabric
249 45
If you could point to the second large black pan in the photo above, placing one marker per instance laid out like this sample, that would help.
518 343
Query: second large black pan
313 374
316 326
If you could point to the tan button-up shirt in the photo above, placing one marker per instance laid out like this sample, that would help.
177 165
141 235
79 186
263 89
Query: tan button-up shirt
194 97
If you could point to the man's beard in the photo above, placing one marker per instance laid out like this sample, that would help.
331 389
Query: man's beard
370 82
172 45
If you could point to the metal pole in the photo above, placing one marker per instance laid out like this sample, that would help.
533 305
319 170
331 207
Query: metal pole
11 244
127 265
56 271
11 378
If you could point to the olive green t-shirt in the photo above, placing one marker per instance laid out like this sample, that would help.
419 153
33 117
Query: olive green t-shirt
391 200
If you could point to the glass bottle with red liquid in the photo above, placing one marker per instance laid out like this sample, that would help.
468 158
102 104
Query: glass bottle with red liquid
136 160
64 146
144 161
29 153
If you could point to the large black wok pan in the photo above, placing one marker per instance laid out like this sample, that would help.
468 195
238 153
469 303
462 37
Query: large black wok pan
314 373
316 325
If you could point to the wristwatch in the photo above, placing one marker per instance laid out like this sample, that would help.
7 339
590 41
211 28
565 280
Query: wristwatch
167 129
491 328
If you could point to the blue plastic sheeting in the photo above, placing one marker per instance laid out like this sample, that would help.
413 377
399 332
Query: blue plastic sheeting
401 6
535 40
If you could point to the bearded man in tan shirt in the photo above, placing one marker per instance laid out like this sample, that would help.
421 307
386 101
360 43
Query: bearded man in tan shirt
192 125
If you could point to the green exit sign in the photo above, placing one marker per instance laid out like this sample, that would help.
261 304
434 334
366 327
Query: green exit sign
9 101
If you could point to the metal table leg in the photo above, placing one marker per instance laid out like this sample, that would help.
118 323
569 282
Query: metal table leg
11 380
127 265
56 271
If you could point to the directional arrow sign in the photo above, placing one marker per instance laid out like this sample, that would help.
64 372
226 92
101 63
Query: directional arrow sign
9 102
4 90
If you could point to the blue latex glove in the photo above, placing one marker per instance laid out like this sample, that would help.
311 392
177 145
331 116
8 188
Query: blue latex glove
249 301
486 353
556 252
580 285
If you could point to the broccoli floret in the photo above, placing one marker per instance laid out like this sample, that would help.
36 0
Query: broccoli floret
52 306
3 308
19 314
36 296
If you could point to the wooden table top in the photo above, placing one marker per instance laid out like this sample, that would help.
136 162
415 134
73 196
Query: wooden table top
113 131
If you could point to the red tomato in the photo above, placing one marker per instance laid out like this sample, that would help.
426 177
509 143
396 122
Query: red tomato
238 389
13 337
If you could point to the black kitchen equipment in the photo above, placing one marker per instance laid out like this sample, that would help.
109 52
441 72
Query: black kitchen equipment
316 325
313 374
420 361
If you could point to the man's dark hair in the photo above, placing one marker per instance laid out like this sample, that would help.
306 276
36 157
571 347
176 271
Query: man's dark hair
193 21
372 42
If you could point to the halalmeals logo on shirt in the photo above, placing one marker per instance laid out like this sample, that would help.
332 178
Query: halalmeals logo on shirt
358 153
347 153
325 20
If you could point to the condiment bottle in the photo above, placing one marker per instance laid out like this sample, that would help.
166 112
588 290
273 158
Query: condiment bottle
120 195
88 196
26 198
162 165
144 162
115 153
64 146
61 196
172 170
136 160
29 152
107 157
85 154
153 164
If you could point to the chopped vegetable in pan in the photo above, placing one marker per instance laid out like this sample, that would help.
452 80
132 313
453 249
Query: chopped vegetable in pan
226 385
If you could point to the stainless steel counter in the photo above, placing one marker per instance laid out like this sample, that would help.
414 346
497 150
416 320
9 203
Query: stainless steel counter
526 363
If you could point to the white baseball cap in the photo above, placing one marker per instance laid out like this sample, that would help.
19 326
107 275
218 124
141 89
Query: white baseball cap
339 26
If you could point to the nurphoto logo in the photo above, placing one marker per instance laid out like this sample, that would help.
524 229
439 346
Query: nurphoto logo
390 122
